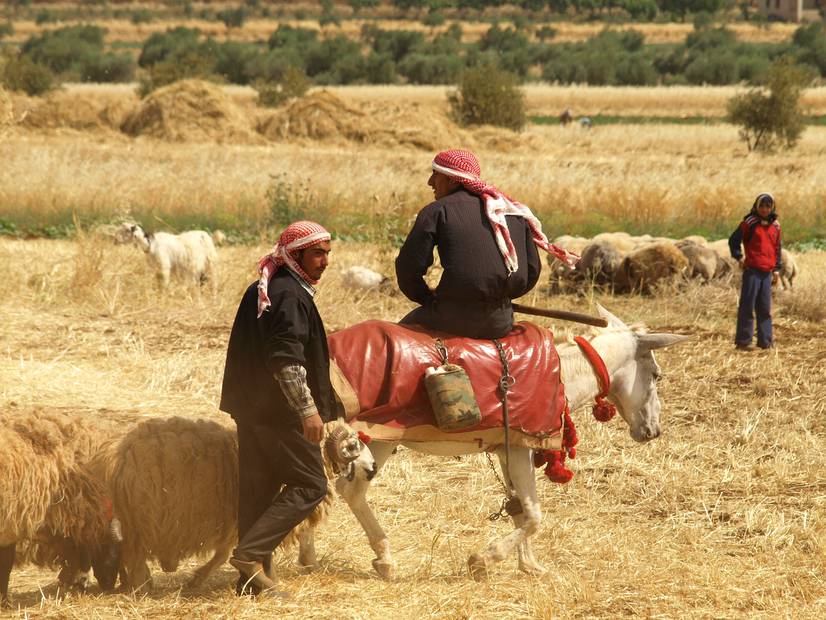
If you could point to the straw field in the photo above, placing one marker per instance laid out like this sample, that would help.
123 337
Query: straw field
722 516
366 154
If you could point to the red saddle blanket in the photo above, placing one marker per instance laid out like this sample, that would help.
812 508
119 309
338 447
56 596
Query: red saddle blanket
385 364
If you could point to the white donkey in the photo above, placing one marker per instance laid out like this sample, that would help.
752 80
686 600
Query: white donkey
633 372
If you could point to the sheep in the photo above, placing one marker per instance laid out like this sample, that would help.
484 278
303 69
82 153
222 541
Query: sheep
644 268
47 498
190 255
788 269
599 262
174 485
622 242
571 243
702 260
358 277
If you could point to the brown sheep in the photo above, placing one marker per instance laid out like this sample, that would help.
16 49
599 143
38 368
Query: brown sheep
47 499
174 484
702 260
643 269
599 261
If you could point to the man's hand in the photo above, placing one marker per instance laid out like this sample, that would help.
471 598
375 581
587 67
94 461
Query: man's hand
313 428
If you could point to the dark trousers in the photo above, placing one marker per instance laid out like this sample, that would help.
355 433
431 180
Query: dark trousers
755 298
471 319
281 480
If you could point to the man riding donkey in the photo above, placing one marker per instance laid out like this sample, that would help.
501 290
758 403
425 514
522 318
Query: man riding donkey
487 245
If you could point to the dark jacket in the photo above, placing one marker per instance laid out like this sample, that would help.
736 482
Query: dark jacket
761 242
289 330
475 286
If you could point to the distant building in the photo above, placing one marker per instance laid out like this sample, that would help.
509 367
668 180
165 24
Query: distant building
791 10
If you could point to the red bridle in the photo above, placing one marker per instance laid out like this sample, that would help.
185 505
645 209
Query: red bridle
603 410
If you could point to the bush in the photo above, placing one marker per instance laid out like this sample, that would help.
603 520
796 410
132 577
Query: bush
769 120
22 73
293 83
431 68
6 29
106 68
489 95
168 71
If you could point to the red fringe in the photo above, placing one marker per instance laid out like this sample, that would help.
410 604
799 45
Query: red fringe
364 437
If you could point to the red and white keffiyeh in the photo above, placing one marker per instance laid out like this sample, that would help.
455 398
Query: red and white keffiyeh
462 166
296 237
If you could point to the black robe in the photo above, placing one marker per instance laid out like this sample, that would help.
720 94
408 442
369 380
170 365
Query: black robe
289 330
474 295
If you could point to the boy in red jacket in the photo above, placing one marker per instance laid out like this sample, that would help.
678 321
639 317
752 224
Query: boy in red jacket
759 234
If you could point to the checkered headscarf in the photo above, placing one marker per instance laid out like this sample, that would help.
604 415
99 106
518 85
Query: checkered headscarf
462 166
296 237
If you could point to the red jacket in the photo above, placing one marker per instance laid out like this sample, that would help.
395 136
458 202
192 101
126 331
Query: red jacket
761 242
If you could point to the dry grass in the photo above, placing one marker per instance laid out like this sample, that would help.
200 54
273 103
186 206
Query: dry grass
254 30
721 517
640 177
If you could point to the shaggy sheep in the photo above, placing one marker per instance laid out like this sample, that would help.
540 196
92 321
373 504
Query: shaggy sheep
702 260
47 498
358 277
599 262
644 268
174 485
788 269
190 255
571 243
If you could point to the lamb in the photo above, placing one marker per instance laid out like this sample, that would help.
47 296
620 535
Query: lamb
47 498
190 255
643 269
219 237
174 485
788 269
359 277
702 260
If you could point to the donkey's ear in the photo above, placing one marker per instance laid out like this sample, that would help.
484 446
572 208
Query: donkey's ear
659 341
613 321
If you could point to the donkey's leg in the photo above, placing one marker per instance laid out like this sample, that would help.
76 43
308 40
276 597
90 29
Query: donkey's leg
527 561
354 492
524 486
306 549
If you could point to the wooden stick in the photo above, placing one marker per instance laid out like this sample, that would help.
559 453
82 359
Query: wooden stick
562 315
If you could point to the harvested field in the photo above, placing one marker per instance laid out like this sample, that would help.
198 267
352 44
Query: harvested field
723 516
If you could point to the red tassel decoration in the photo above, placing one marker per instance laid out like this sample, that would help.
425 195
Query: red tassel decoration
603 411
364 437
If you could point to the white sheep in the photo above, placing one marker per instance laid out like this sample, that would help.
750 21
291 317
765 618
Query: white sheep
174 485
622 242
190 255
219 237
703 262
359 277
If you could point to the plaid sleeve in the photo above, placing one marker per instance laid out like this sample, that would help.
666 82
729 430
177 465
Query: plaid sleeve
293 381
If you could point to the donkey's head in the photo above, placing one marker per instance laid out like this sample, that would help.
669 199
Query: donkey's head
634 382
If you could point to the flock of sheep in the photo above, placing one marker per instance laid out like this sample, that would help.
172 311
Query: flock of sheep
78 495
628 264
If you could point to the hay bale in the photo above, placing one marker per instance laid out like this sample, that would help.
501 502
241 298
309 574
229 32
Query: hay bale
78 111
191 111
320 115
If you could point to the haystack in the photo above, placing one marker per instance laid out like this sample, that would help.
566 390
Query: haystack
78 111
423 126
191 111
318 116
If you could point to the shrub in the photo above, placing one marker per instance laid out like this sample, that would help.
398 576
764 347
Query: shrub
233 18
21 73
61 50
109 67
168 71
6 29
431 68
772 119
293 83
489 95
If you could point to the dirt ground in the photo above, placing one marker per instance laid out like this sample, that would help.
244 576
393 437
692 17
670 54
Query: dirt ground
721 517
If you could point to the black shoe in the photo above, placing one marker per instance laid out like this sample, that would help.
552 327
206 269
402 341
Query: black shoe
744 347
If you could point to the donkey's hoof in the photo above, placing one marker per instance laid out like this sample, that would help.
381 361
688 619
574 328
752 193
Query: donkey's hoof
309 567
533 568
384 568
478 567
